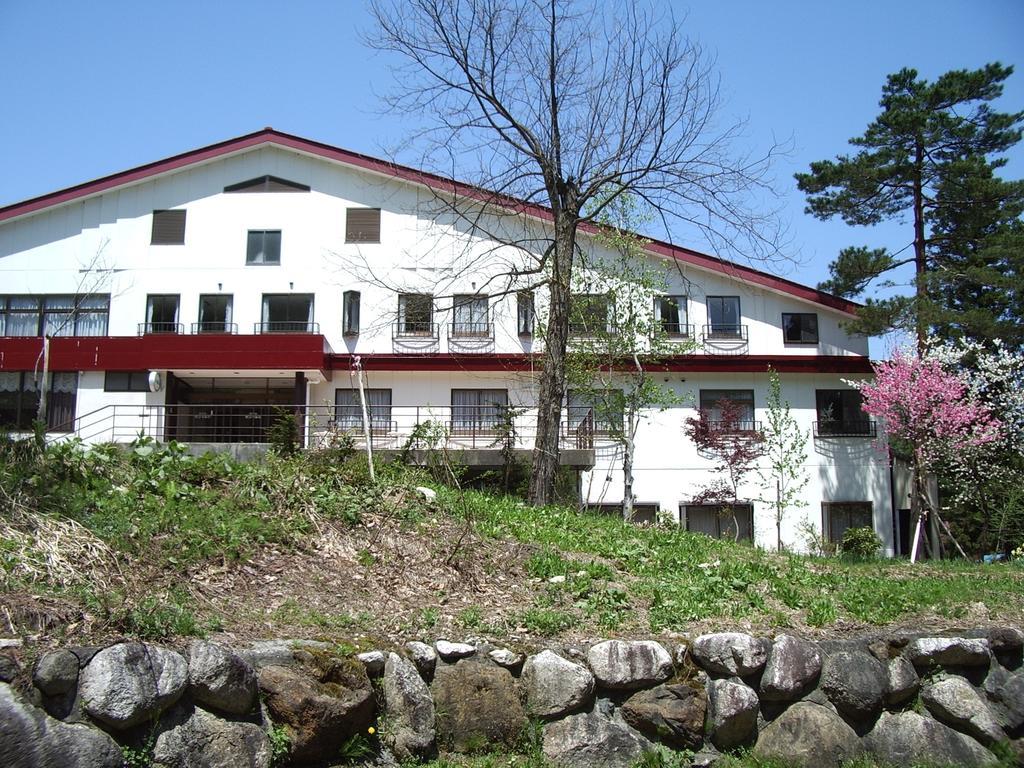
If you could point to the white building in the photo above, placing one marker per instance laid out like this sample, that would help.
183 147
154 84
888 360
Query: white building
248 275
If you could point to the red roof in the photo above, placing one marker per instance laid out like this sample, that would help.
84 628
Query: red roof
440 183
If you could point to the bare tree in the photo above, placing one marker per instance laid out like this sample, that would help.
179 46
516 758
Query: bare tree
557 102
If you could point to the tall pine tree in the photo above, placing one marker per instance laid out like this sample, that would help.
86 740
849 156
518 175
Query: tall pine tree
930 158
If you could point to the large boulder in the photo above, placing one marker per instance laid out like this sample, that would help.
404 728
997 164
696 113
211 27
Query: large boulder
411 715
130 683
948 652
220 678
628 665
730 653
792 667
1007 695
855 682
596 739
321 707
29 738
190 737
809 735
954 702
555 686
673 714
478 705
902 682
56 672
907 738
732 714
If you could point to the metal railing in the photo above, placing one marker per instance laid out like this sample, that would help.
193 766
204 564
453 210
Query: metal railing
391 427
471 331
148 328
414 329
855 428
286 326
215 326
736 426
724 332
675 330
584 330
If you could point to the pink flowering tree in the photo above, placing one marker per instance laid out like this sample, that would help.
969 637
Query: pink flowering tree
932 412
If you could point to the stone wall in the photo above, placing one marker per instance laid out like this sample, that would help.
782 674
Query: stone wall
900 697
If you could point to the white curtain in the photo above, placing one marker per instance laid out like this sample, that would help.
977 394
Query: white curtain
22 316
93 312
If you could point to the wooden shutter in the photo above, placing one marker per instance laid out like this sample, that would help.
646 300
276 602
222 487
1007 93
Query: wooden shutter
168 227
362 225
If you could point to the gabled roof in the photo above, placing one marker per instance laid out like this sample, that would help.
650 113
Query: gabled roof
268 136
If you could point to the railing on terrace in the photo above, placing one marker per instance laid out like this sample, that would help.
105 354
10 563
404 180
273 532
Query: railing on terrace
725 332
859 428
414 329
471 330
215 326
391 427
147 328
286 326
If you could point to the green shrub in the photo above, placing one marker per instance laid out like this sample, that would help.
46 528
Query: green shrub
860 543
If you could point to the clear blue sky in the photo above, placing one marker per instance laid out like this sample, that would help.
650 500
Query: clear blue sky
91 88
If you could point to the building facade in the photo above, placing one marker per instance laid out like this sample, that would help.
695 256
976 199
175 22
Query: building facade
200 297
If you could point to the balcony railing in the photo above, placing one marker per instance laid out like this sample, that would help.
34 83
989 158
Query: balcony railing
215 327
675 330
585 330
739 427
147 328
286 326
471 331
414 329
723 332
859 428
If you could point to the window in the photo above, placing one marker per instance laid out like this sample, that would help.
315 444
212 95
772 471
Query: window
126 381
477 410
840 413
362 225
670 315
416 314
263 246
161 314
591 314
720 521
267 184
54 315
837 516
19 400
215 314
724 317
711 402
800 327
349 411
287 313
470 315
168 228
525 312
603 412
350 313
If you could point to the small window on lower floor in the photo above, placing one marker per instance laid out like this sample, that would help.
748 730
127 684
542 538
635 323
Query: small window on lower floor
720 521
645 514
837 516
19 401
126 381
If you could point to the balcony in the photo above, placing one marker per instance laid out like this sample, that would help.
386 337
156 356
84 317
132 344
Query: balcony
720 339
286 326
832 428
215 327
675 330
146 329
737 427
414 329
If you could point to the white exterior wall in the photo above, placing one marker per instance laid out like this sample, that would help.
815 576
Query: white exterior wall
45 252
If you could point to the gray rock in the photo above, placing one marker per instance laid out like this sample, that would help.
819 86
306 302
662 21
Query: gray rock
423 656
855 682
454 651
792 668
948 652
732 714
56 672
907 738
1008 696
627 665
503 657
809 735
555 686
129 683
268 653
954 702
411 716
374 662
730 653
902 682
593 740
1005 640
194 738
220 678
478 704
9 667
673 714
29 738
